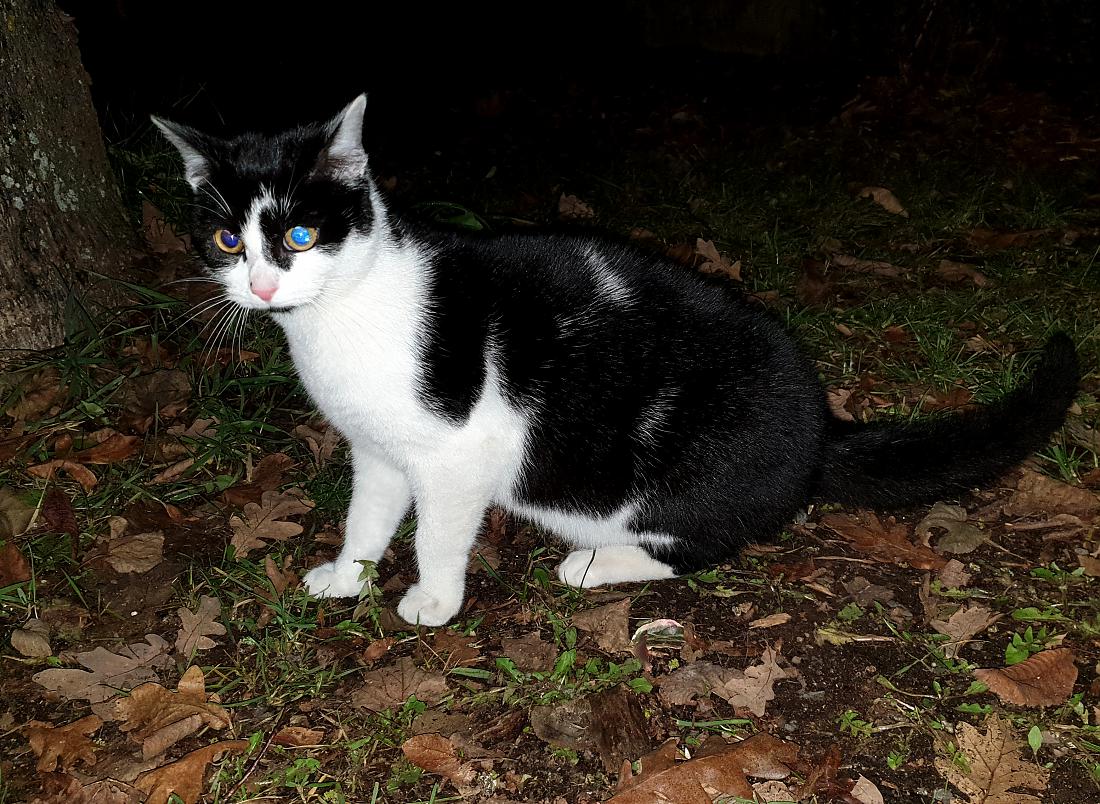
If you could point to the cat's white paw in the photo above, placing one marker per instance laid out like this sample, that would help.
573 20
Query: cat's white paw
420 607
333 580
617 564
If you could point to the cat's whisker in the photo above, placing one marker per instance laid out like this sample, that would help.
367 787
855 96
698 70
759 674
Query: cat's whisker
220 199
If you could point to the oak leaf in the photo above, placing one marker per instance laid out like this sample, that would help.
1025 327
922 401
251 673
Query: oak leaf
530 652
77 471
966 622
322 443
714 262
58 511
196 627
994 766
608 625
572 208
1037 493
185 776
264 522
962 537
15 517
108 673
159 718
133 552
298 736
752 689
33 639
887 543
66 744
960 271
60 788
112 448
1047 678
392 685
267 476
885 199
436 754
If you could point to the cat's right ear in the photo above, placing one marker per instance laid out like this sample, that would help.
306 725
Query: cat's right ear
192 146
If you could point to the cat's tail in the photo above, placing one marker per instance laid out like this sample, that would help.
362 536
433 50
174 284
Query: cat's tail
886 465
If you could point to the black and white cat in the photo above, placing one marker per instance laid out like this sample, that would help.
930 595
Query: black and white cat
653 422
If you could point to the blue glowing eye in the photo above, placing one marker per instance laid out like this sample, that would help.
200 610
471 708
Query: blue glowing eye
228 242
300 238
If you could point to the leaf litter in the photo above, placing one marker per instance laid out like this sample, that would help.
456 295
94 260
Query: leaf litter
993 772
265 521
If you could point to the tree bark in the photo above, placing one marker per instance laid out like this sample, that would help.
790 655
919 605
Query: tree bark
61 217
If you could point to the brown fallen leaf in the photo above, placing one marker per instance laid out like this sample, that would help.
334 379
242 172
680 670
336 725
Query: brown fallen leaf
267 476
772 620
66 744
57 509
885 199
996 241
392 685
714 263
33 639
877 267
113 447
962 536
15 517
954 575
77 471
752 689
1036 493
14 568
1047 678
964 624
36 394
608 625
995 770
723 772
159 718
185 776
960 272
887 543
322 442
572 208
60 788
108 673
160 394
282 578
838 399
264 522
530 653
436 754
131 552
159 235
299 737
173 471
198 626
685 684
455 650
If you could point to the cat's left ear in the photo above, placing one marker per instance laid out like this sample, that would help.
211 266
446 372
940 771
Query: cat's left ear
344 153
194 147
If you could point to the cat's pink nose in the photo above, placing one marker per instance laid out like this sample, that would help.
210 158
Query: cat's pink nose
265 292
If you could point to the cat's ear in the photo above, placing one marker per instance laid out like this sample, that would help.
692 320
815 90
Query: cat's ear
193 147
344 154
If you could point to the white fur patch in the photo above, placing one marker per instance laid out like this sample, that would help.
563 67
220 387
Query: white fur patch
610 285
608 565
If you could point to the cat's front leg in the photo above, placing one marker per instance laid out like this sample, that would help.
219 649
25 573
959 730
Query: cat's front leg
449 509
379 499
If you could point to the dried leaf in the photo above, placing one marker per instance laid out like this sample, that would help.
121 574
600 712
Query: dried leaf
108 673
185 776
33 639
962 537
136 552
771 620
13 566
58 511
39 393
837 399
15 517
608 625
877 267
885 199
965 623
954 575
60 788
887 544
198 626
66 744
159 234
322 443
995 767
456 650
112 449
436 754
688 682
170 473
866 792
715 263
392 685
281 578
960 272
996 241
530 653
722 772
572 208
1047 678
299 737
159 718
262 522
77 471
1037 493
753 689
146 397
267 476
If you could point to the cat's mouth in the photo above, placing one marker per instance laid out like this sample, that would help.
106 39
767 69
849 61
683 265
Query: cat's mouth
283 309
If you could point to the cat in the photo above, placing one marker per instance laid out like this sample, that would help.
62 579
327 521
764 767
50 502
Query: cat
652 421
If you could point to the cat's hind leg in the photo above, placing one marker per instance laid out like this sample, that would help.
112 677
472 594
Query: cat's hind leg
379 499
613 564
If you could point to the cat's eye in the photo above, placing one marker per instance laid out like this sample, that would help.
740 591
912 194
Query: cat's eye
228 242
300 238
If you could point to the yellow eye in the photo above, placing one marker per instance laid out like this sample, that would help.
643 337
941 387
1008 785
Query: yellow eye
228 242
300 238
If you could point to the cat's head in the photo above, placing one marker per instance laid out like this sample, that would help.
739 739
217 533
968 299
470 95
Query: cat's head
281 220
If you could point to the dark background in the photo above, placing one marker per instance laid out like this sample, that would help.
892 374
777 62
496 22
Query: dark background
484 74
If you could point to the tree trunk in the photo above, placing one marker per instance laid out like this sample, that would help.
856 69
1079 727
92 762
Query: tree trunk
61 218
